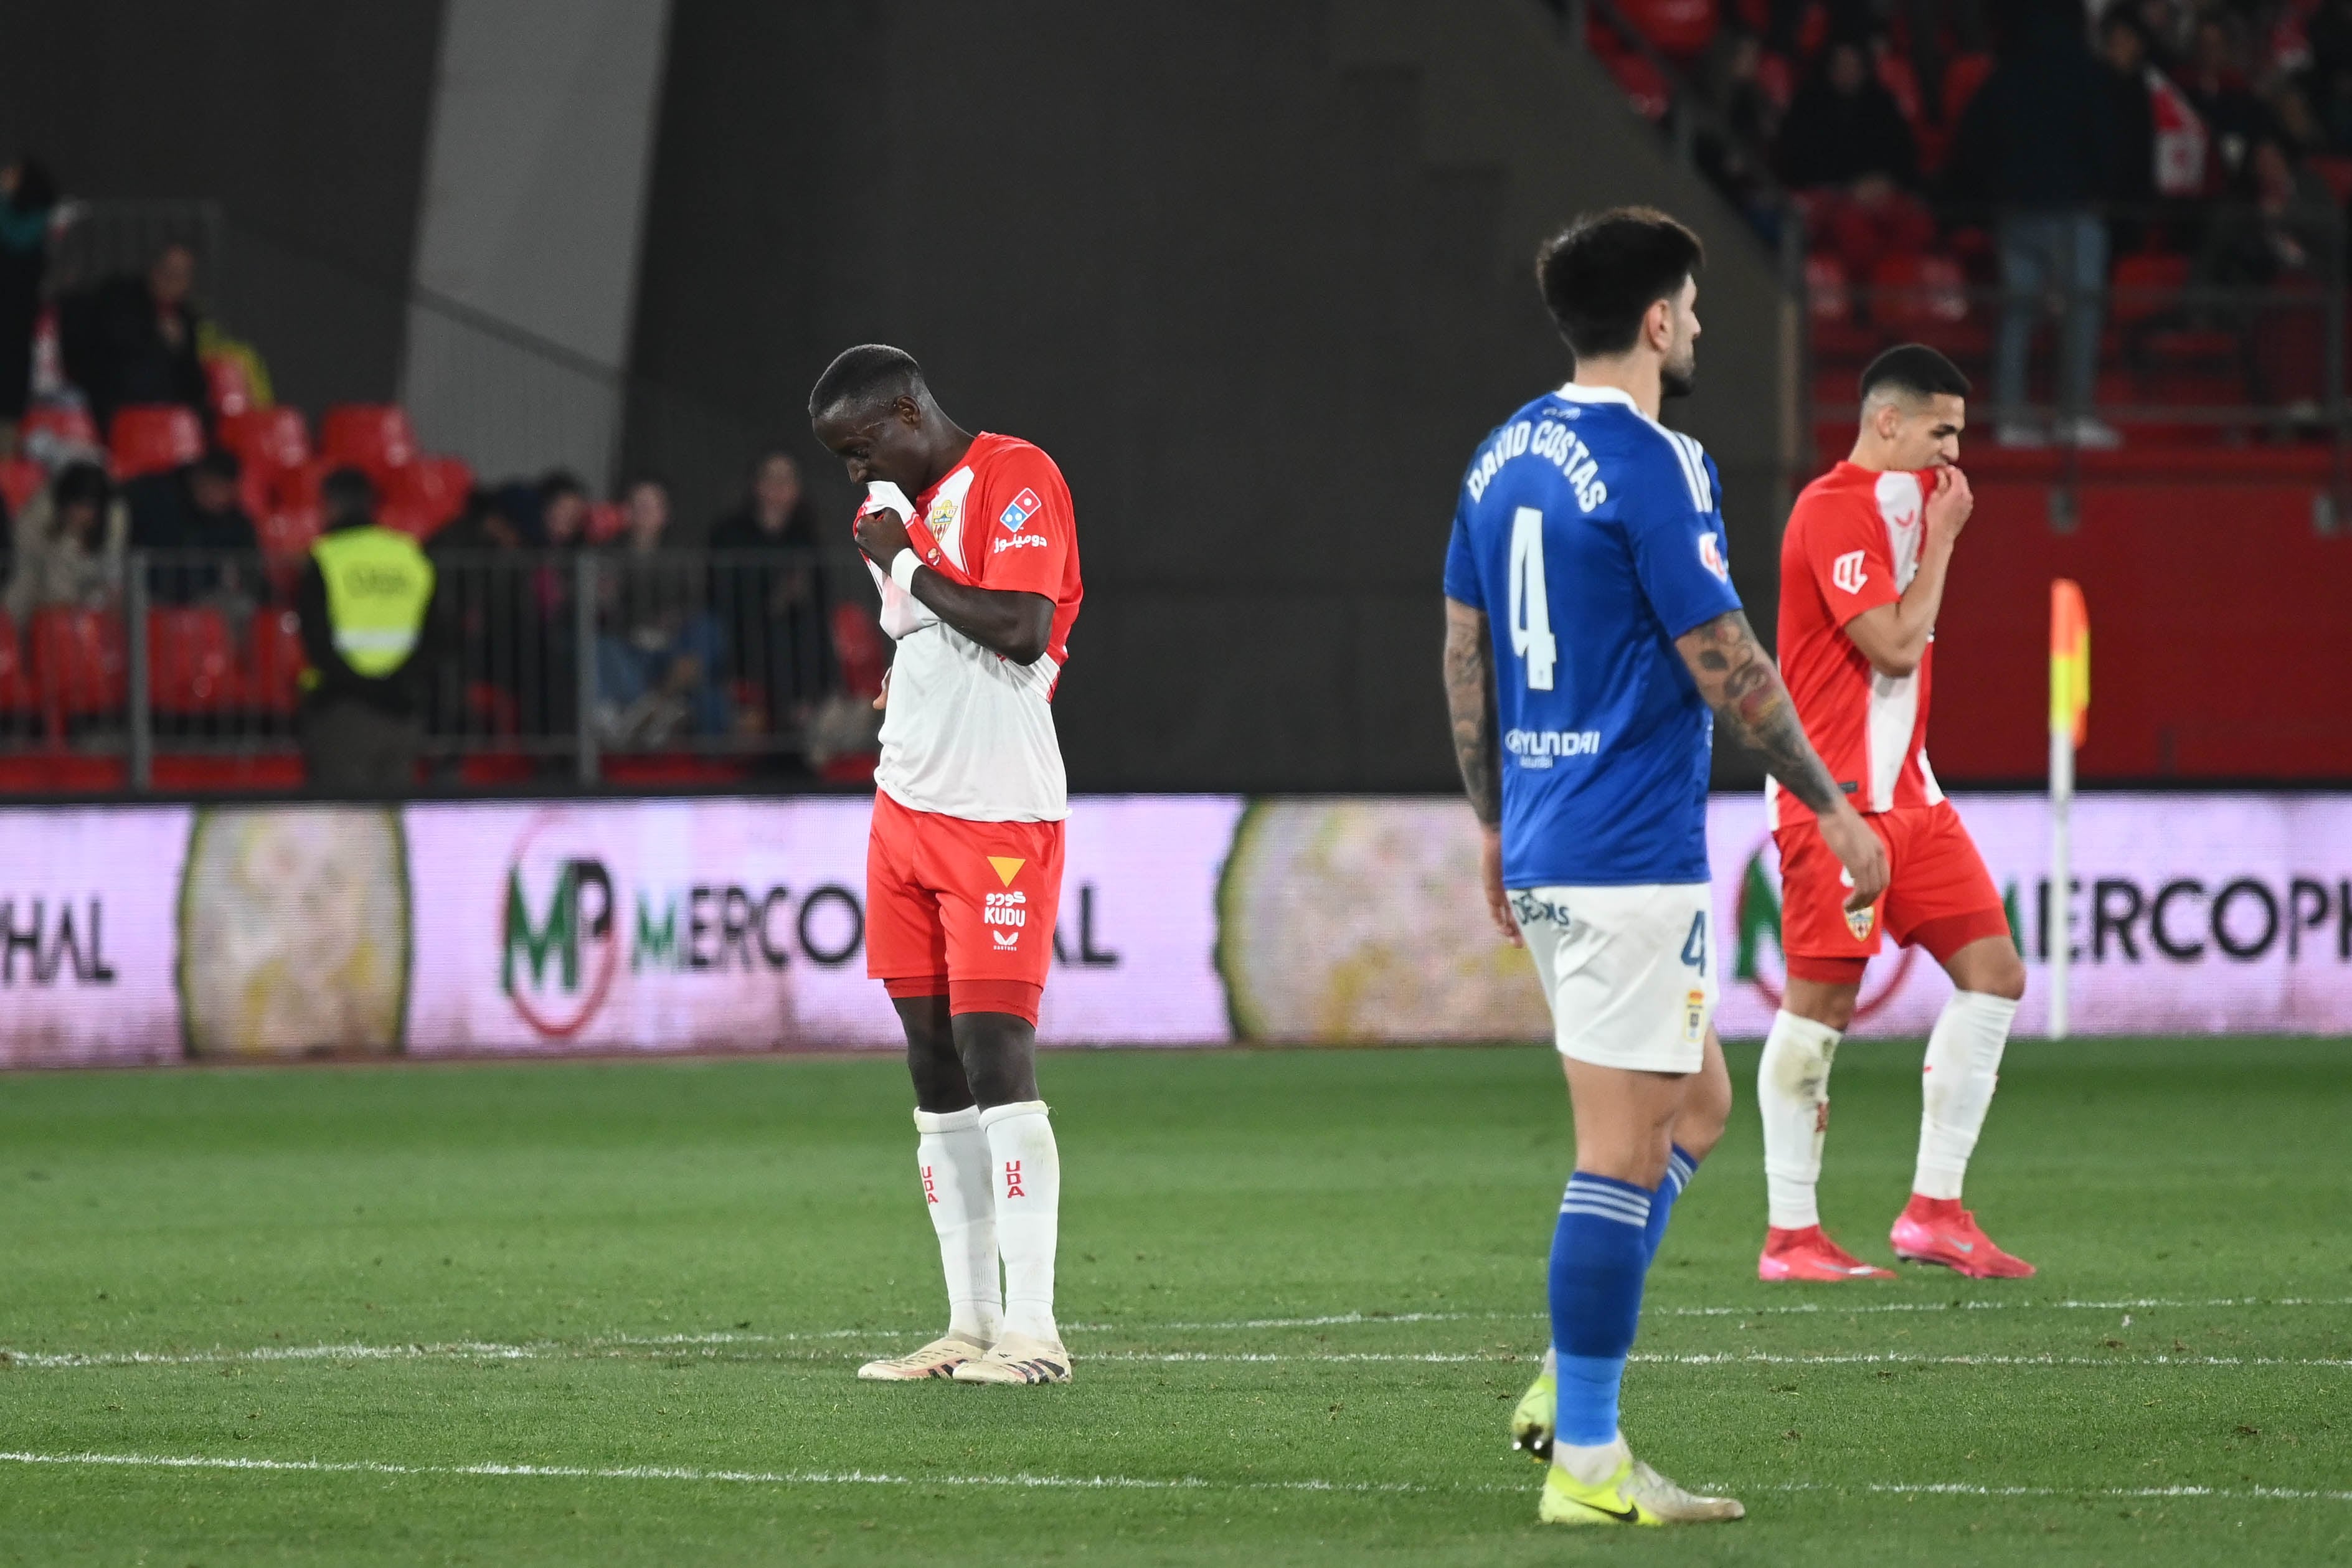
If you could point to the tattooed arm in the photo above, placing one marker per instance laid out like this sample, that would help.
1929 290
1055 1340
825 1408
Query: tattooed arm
1739 680
1470 698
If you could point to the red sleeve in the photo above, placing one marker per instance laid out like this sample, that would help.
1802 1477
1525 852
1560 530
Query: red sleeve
1025 533
1845 550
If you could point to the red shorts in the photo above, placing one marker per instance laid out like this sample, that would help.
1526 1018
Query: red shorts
1939 894
963 910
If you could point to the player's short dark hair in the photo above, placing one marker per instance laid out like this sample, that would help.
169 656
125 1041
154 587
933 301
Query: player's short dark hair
862 376
1601 274
1917 369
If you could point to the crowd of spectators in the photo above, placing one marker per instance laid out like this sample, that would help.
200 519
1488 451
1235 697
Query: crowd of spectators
2034 143
722 637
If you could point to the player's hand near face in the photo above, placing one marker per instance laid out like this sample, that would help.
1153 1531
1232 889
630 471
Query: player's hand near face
1950 507
881 534
1490 877
1858 849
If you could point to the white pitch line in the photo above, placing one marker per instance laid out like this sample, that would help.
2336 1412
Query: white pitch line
487 1351
1023 1482
715 1346
687 1473
1971 1488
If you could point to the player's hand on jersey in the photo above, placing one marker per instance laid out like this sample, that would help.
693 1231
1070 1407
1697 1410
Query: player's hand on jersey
881 533
1490 877
882 698
1949 508
1858 849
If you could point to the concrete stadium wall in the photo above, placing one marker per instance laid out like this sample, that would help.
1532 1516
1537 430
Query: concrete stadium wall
1257 276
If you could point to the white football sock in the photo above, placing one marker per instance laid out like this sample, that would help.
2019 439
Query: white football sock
1792 1090
952 1154
1592 1464
1028 1181
1956 1088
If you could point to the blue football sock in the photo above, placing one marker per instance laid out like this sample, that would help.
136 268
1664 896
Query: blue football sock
1600 1252
1681 1165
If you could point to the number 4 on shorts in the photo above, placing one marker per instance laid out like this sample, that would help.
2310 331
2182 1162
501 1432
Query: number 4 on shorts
1694 945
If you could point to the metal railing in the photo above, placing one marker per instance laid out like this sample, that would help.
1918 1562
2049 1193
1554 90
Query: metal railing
542 665
2153 333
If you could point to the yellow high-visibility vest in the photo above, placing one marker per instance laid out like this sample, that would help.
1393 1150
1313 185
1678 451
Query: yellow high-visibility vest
379 584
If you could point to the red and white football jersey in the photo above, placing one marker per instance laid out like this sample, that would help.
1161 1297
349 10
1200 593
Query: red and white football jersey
1853 544
969 732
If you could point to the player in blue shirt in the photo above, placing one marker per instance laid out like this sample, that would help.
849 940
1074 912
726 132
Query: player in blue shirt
1592 640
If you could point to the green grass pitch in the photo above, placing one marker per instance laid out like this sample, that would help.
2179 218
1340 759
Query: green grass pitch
609 1312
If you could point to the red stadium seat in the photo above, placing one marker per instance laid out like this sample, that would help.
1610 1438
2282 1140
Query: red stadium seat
436 487
1962 76
228 387
1918 293
65 424
286 538
275 662
419 522
153 439
605 521
857 644
288 531
1641 82
2146 284
490 708
372 436
78 662
273 438
191 661
1828 295
1680 28
20 480
16 690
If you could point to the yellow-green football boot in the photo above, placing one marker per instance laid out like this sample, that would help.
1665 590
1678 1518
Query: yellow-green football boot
1531 1422
1633 1494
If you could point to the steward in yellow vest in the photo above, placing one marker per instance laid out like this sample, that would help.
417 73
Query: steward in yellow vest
365 603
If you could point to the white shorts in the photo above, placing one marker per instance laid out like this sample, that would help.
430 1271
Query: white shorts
1629 973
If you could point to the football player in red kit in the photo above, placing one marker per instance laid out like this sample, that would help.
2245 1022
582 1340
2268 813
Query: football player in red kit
1862 567
971 540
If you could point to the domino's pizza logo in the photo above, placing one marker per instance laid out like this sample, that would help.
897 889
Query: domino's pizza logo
1021 509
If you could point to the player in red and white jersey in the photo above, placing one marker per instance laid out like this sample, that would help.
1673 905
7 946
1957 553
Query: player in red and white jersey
1863 566
974 544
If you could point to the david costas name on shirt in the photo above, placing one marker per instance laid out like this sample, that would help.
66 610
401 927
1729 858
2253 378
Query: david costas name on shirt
1547 439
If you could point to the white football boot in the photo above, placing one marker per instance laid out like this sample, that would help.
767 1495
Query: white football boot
1018 1358
939 1359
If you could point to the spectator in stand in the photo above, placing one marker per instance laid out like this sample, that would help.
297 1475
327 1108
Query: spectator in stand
133 340
194 508
1732 159
562 508
2123 47
69 545
2234 117
771 590
2328 82
1846 141
2274 242
2037 142
28 200
658 656
365 601
1844 129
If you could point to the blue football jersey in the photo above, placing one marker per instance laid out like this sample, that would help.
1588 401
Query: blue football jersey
1592 537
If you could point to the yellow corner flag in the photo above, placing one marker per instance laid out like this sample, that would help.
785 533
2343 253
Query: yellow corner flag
2070 660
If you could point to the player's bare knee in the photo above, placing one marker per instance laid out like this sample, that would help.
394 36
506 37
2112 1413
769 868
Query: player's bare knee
1830 1005
1000 1057
1990 967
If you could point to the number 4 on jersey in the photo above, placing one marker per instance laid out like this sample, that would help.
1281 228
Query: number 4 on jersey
1532 637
